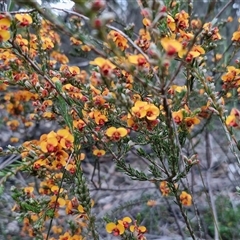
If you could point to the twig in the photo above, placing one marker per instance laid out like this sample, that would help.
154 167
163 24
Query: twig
121 189
175 218
208 181
186 220
9 161
223 9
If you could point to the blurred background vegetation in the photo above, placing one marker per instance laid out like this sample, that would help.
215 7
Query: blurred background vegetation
127 12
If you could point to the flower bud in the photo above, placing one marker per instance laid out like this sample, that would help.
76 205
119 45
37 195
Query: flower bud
98 5
97 23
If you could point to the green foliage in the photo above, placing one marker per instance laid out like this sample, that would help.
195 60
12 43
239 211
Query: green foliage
228 219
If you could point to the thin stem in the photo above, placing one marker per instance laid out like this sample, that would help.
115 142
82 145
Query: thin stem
223 9
175 218
209 163
58 193
184 214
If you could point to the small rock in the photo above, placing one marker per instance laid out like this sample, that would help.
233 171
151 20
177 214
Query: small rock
106 200
12 228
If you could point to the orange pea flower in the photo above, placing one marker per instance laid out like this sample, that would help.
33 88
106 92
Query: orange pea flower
186 199
60 159
74 70
99 118
138 231
13 124
58 202
86 48
176 88
132 124
14 139
79 124
69 207
116 133
235 112
195 52
47 43
165 190
139 109
55 190
21 41
24 19
99 152
115 229
39 163
99 100
71 167
151 203
57 229
49 142
171 46
80 208
29 191
143 109
66 138
232 121
146 22
182 19
191 121
72 205
5 23
144 34
61 58
105 65
177 116
236 36
4 33
215 35
196 23
66 236
231 75
152 112
125 221
171 23
185 36
75 41
118 39
139 60
141 229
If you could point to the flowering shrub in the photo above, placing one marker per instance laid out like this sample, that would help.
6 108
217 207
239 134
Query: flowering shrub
129 98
